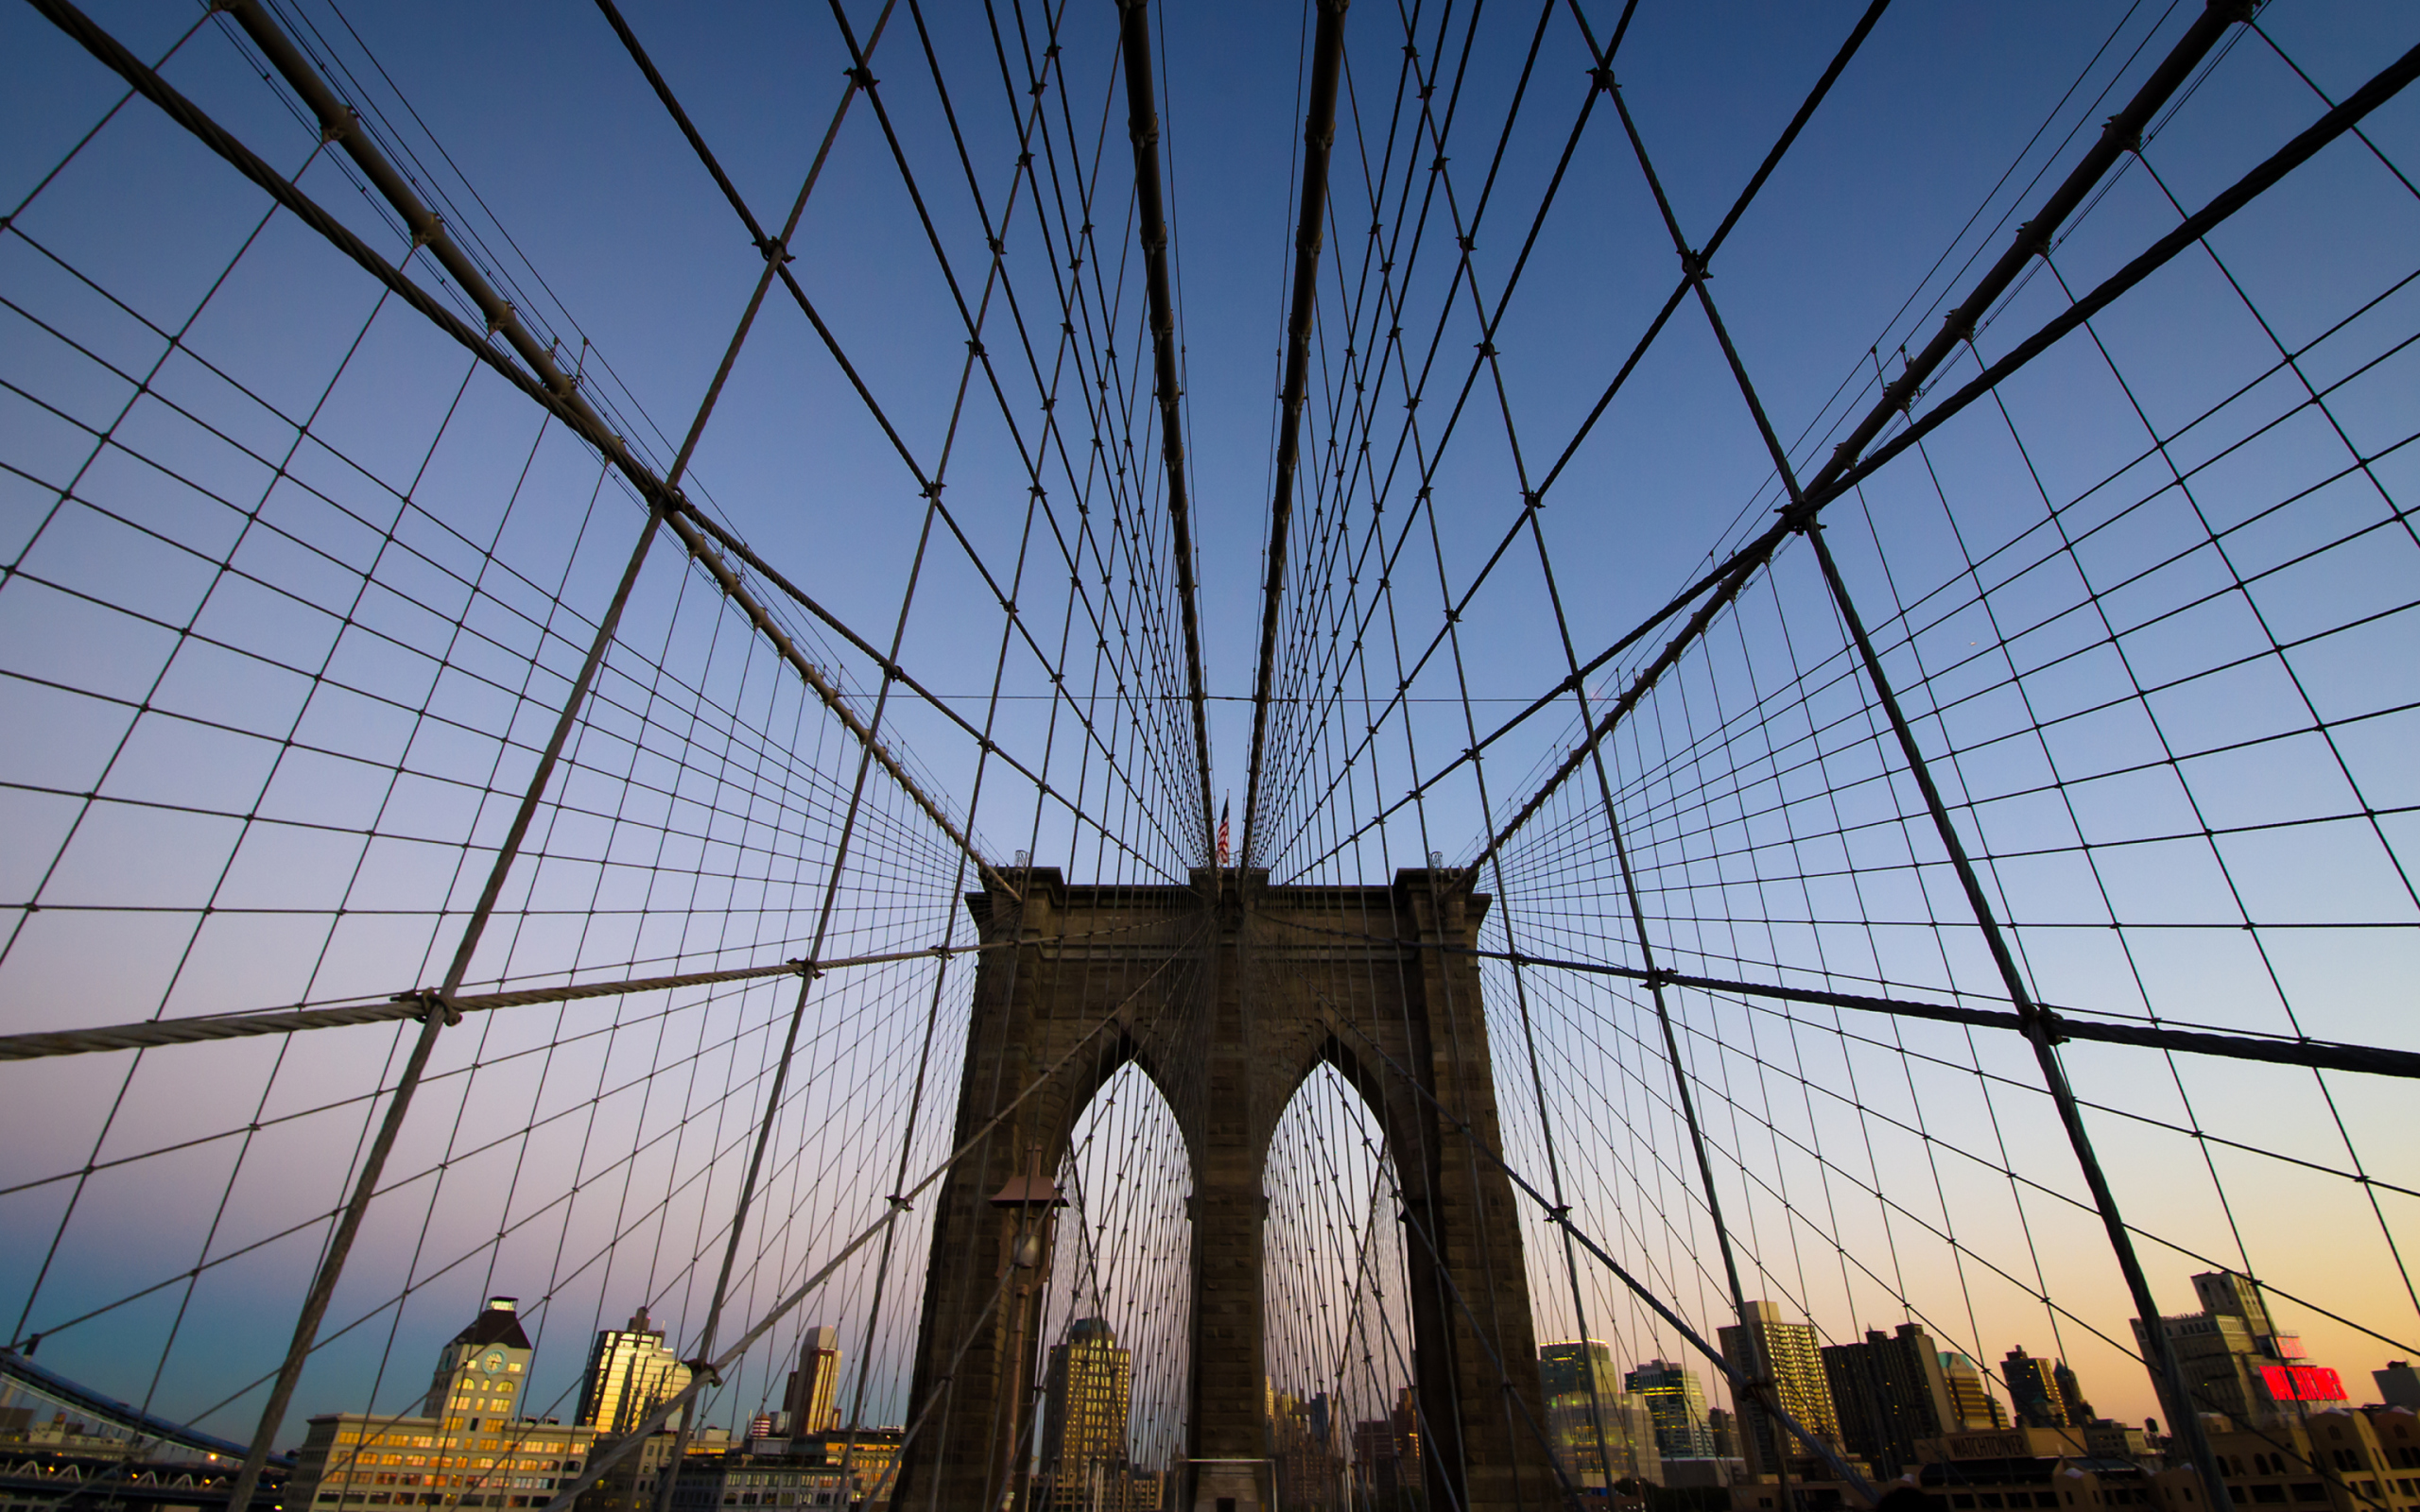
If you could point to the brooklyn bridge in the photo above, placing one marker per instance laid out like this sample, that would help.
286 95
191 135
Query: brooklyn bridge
1105 757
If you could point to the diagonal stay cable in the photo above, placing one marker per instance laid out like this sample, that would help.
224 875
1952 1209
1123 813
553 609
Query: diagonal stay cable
1561 1217
549 386
41 1044
1844 471
1740 206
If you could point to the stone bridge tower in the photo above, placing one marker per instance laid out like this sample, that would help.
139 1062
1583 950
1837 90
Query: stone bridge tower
1228 993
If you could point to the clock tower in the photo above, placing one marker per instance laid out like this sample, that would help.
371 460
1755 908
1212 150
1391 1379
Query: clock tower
480 1373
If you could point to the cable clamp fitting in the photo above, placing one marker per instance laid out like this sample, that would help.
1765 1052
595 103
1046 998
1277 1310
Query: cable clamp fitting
343 127
2131 141
898 1203
432 1003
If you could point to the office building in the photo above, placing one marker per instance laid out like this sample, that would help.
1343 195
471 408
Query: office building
2034 1390
468 1448
1084 1406
631 1373
1762 1346
811 1402
2079 1412
1891 1393
1602 1434
740 1478
1724 1429
1677 1402
1972 1406
2235 1361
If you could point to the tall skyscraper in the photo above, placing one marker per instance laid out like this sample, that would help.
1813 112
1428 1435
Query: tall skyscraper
480 1371
1084 1405
1890 1392
1677 1402
631 1373
2035 1390
1788 1354
815 1385
1971 1402
1601 1434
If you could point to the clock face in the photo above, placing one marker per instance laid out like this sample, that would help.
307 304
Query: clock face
496 1363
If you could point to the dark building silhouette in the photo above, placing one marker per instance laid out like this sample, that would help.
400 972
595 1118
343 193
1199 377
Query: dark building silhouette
1724 1429
1386 1452
2079 1412
2038 1393
1890 1392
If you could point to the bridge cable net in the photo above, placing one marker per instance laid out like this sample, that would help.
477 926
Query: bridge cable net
409 674
1971 898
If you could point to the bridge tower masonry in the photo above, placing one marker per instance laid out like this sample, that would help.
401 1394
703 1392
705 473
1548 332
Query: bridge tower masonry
1228 993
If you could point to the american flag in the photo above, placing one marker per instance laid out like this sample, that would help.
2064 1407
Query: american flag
1222 830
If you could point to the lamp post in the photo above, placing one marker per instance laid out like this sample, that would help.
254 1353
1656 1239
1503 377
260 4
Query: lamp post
1028 1215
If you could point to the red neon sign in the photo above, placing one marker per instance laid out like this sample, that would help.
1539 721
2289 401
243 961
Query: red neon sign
2302 1383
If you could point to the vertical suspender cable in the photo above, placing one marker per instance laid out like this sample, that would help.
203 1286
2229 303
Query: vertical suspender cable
1319 135
1143 127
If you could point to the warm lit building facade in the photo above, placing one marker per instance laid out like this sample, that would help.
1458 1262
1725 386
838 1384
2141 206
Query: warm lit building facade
1084 1406
1763 1347
708 1483
1677 1402
631 1373
468 1447
870 1453
1971 1402
812 1400
1602 1434
350 1460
